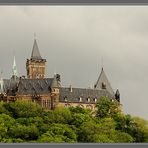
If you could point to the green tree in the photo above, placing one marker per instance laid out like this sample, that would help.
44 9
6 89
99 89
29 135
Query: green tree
107 107
24 132
103 131
139 129
24 109
59 115
59 133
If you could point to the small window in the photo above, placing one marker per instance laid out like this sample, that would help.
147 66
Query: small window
95 99
88 99
103 85
80 99
65 98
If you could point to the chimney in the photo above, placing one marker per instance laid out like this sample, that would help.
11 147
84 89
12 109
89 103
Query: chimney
70 88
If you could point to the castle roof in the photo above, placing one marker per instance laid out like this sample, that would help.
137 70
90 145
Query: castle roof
74 94
35 52
37 86
10 85
103 80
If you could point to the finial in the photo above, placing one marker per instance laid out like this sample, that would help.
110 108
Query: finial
35 36
102 61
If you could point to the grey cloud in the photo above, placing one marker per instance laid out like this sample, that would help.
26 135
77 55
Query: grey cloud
73 39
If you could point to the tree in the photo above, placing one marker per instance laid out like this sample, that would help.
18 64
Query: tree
24 132
103 131
59 133
24 109
139 129
59 115
107 107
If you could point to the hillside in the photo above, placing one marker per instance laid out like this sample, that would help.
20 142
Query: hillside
23 121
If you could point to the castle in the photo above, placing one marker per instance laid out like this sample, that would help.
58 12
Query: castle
48 91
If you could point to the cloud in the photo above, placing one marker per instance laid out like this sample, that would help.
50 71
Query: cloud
73 39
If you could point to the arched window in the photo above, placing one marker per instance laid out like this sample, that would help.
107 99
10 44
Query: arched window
82 106
67 105
89 107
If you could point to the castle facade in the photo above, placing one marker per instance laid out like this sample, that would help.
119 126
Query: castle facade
48 91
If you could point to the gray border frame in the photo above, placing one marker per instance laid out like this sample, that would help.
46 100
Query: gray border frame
73 2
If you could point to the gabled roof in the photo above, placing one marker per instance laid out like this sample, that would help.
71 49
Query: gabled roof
103 80
35 52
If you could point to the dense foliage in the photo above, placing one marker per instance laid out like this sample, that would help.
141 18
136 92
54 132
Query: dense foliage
23 121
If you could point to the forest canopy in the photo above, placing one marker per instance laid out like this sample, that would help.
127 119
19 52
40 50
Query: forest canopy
23 121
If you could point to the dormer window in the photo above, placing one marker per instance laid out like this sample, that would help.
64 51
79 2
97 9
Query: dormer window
88 99
80 99
65 98
103 85
95 99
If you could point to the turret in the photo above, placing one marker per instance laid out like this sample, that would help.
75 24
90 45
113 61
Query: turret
117 95
55 84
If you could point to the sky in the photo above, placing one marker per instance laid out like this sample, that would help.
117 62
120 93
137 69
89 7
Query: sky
77 41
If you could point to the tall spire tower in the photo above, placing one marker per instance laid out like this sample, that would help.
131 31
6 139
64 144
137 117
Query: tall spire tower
35 66
1 85
14 68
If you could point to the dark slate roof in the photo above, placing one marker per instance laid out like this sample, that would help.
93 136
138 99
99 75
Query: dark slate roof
35 52
31 86
76 93
103 79
6 84
10 85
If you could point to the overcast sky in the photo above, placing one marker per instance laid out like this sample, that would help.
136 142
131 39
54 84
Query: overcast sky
75 39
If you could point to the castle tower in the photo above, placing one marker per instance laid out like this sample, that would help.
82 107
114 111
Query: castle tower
55 91
35 66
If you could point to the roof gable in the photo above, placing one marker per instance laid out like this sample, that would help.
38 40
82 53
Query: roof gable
103 80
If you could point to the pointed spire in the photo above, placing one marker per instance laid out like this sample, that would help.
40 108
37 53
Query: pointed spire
14 68
35 51
1 85
103 83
